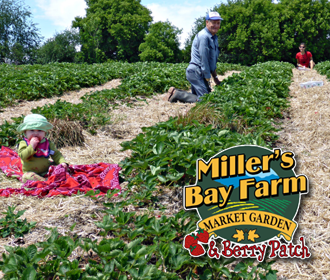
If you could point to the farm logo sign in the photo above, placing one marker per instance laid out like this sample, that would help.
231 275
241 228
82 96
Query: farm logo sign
247 198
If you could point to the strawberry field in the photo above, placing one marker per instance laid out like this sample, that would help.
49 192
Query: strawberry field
39 81
136 238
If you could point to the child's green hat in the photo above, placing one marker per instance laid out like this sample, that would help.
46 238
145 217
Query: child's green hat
35 122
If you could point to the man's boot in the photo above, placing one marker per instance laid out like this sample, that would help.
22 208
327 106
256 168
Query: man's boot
183 96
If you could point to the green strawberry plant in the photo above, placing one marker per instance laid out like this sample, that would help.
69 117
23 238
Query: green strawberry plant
145 248
145 79
323 68
167 152
11 224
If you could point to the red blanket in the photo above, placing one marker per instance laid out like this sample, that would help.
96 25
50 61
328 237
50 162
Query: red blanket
83 178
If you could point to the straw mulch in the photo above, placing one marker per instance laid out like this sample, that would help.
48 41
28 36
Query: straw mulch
66 133
306 132
63 212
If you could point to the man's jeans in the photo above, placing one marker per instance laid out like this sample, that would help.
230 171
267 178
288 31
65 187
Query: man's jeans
199 85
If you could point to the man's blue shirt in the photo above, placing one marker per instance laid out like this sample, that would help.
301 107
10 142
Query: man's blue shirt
205 52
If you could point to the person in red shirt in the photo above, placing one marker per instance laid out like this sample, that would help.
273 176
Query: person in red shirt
304 58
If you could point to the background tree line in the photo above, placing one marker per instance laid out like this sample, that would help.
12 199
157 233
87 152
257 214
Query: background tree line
252 31
259 30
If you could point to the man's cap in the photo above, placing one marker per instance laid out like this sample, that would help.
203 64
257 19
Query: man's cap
213 16
35 122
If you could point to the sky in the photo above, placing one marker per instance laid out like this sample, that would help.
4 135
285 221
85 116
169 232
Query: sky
51 16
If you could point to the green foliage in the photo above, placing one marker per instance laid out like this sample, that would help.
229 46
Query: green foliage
8 134
37 81
141 247
250 32
247 102
258 95
61 48
167 152
45 260
19 37
305 21
112 30
323 68
12 225
260 30
161 43
222 68
32 82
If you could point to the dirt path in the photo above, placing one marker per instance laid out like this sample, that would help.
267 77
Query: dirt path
306 132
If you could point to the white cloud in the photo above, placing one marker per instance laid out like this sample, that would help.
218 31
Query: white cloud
182 16
62 12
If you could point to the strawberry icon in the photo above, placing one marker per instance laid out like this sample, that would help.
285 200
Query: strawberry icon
197 250
190 240
203 236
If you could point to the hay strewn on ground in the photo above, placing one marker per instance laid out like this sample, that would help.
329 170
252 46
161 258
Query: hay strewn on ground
305 132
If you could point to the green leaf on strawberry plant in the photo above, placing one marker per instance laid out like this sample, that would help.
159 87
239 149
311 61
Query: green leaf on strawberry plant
31 251
158 148
271 276
162 178
226 271
241 266
207 274
154 169
29 273
134 243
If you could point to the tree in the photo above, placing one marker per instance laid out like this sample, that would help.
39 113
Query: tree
259 30
161 43
305 21
61 48
19 37
112 29
250 31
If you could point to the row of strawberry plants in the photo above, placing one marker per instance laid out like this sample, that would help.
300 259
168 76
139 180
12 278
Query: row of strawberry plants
245 106
134 247
32 82
139 79
323 68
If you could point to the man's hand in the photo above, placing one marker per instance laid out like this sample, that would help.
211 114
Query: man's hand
34 142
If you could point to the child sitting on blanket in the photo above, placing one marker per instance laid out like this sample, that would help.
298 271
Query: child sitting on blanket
35 149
